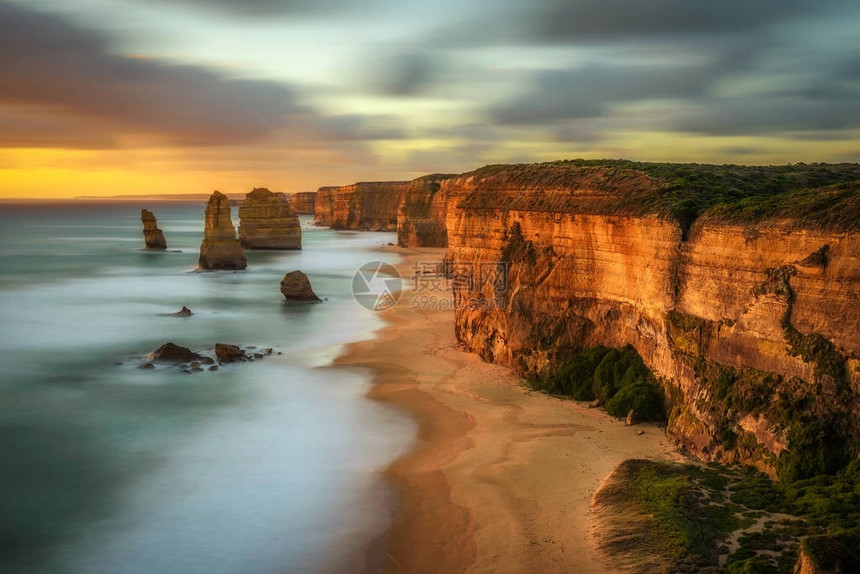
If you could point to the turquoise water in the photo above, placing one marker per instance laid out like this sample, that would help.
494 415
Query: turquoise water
271 466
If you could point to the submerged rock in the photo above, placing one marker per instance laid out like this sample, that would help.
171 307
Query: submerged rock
220 248
266 221
153 237
173 353
296 286
184 312
229 353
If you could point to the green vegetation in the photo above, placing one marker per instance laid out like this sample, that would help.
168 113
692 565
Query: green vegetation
688 333
814 348
677 500
826 511
824 196
616 377
817 444
694 510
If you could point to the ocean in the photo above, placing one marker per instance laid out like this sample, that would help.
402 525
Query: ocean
271 466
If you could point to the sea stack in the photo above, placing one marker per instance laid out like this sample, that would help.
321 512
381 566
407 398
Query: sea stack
266 221
220 248
152 235
296 286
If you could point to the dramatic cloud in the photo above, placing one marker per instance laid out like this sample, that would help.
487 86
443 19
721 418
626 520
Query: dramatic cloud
259 8
83 94
403 73
732 72
587 92
604 20
400 87
769 115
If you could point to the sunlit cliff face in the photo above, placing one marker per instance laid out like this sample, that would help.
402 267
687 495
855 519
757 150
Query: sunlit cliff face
125 96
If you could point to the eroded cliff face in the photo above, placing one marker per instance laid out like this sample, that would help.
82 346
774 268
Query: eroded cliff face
367 206
220 248
753 329
303 202
266 221
422 214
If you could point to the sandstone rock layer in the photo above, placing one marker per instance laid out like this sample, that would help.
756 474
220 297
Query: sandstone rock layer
422 213
220 248
754 328
369 206
303 202
266 221
153 237
296 286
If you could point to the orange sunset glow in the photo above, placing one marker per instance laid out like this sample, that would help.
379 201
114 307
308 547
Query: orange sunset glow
131 97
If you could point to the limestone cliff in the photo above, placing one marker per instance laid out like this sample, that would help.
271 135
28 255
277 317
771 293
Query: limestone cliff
266 221
751 323
303 202
153 237
220 248
367 206
422 213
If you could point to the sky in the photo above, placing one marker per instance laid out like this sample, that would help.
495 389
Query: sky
107 97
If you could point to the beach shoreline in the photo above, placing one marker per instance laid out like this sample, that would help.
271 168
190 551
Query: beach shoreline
500 477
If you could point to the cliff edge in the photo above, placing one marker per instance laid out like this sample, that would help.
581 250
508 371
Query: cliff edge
739 287
364 206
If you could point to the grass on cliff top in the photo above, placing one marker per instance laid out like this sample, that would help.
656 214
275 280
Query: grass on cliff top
688 513
734 193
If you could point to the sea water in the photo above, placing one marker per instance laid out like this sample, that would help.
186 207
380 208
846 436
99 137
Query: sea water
261 467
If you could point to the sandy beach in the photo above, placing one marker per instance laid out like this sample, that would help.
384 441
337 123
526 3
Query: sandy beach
501 477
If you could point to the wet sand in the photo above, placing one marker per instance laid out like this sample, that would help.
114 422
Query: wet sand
501 477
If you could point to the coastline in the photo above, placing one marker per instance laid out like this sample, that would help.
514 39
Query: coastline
500 478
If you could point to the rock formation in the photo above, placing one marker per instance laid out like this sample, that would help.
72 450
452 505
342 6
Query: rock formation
266 221
220 248
152 235
753 325
171 352
190 362
368 206
303 202
184 312
423 211
229 353
296 286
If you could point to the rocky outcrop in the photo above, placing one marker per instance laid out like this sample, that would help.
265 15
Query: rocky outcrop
296 286
753 327
229 353
152 235
191 362
369 206
303 202
184 312
266 221
173 353
220 248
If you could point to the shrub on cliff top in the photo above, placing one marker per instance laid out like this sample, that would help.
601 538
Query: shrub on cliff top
812 195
